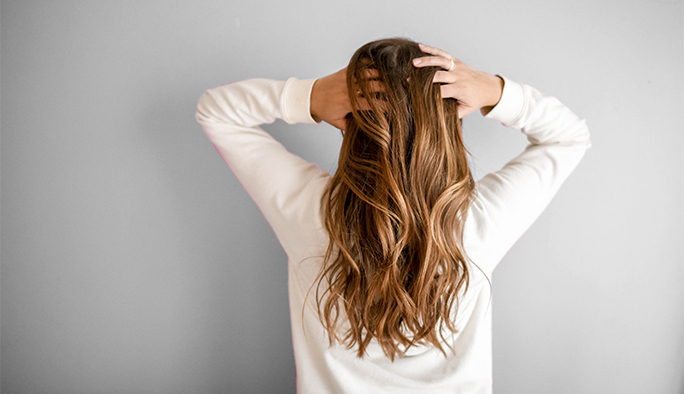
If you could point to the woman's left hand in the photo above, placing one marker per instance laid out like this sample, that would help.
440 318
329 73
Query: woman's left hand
472 89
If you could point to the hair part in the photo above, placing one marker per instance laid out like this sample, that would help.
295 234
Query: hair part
395 208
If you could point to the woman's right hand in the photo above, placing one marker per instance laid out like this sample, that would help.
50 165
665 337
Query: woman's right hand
330 99
471 88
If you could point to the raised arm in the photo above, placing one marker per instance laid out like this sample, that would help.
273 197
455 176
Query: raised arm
275 178
509 200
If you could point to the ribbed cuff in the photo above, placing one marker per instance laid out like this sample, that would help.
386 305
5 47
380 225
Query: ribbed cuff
297 101
511 105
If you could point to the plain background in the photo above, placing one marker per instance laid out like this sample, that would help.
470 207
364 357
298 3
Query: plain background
134 262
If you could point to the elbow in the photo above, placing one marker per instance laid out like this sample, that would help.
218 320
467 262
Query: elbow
581 137
203 109
586 135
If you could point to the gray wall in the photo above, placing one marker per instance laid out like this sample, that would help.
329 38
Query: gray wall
134 262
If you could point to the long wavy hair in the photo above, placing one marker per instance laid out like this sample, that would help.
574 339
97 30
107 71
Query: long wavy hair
395 208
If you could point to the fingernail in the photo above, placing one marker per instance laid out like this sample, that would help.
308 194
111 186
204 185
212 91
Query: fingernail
416 61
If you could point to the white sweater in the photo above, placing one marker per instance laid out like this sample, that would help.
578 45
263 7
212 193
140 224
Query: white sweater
288 191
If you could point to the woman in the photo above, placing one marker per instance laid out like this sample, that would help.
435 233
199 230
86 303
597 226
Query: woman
390 258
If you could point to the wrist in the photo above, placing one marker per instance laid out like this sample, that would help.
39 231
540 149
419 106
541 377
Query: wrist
494 92
313 101
496 89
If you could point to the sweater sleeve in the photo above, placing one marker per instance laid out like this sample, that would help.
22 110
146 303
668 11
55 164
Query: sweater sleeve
509 200
277 180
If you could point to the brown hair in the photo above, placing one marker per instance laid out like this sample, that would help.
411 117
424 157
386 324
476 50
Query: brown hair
395 207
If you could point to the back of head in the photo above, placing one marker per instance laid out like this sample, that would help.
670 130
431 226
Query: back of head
395 207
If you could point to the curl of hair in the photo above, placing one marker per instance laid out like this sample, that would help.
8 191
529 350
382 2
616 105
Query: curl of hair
395 208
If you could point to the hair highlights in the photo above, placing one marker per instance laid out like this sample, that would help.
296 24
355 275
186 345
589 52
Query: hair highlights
395 208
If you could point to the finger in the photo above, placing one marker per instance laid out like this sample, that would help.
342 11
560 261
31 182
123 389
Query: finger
434 51
364 105
439 61
370 73
375 91
446 91
449 90
370 77
374 86
444 77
